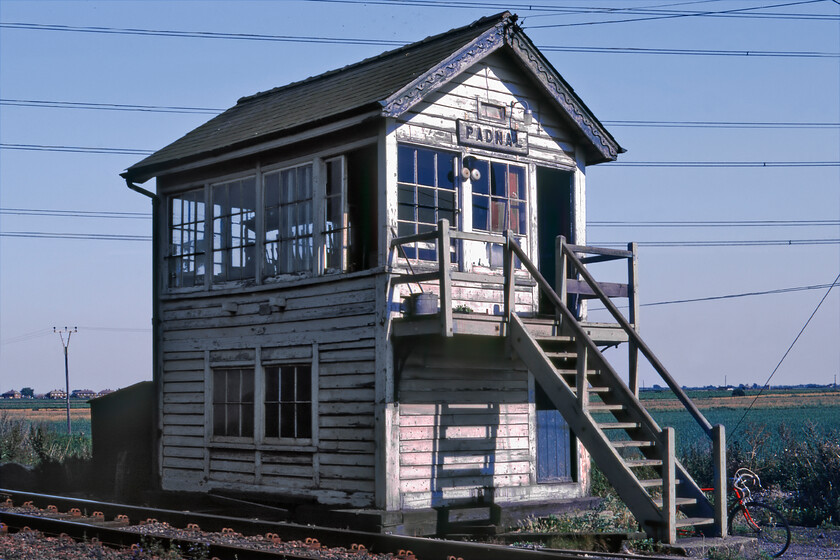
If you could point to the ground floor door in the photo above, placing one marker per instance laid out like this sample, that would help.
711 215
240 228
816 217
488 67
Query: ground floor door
554 454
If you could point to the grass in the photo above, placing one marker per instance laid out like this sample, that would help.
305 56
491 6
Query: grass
32 441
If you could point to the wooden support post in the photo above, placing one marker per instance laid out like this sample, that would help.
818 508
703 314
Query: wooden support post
445 277
720 481
669 487
510 277
581 380
633 302
561 265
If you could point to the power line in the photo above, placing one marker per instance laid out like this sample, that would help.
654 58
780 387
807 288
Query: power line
88 236
366 41
738 12
792 344
740 295
76 149
721 124
716 224
75 213
108 106
554 10
723 243
727 164
699 164
38 103
691 52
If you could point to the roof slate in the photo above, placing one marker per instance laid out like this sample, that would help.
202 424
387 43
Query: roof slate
355 88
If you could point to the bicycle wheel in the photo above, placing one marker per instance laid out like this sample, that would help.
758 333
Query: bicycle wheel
764 523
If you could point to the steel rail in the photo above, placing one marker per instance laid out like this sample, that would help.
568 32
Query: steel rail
423 548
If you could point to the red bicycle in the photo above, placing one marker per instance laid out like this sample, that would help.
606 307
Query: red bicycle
750 518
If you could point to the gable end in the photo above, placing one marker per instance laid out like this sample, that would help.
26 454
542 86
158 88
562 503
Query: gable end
413 93
603 143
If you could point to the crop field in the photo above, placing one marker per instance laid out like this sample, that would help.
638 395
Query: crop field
752 419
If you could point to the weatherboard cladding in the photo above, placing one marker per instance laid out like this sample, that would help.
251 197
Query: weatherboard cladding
389 83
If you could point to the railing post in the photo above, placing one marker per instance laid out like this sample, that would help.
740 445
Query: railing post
582 384
561 266
720 480
510 277
633 302
445 277
669 486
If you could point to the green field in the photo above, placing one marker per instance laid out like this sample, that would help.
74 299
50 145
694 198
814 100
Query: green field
38 404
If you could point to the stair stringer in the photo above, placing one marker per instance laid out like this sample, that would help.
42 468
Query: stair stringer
628 487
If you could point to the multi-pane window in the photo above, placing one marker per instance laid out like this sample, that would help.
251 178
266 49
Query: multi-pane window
233 402
289 243
336 232
186 239
499 199
427 192
288 401
234 230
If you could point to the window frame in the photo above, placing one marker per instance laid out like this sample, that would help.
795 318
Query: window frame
267 270
307 435
227 248
426 251
198 255
241 405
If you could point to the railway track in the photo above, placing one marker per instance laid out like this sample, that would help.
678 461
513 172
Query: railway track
225 537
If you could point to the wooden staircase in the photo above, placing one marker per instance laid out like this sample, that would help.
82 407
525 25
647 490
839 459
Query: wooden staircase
636 456
604 412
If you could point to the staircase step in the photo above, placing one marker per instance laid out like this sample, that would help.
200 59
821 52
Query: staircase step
631 443
691 521
618 425
634 463
679 502
653 482
562 355
599 407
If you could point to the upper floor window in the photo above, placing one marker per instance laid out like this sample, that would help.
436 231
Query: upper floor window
186 255
234 230
233 402
498 198
336 219
289 226
427 192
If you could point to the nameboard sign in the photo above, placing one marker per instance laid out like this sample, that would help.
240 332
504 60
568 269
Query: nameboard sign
491 137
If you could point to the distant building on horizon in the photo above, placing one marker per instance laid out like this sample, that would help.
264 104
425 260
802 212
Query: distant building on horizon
13 394
57 394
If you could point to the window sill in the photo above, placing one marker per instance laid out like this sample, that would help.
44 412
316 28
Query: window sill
265 446
292 282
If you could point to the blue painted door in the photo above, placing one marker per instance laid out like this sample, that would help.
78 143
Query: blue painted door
553 442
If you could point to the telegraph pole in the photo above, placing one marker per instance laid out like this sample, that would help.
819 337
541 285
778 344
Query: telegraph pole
66 345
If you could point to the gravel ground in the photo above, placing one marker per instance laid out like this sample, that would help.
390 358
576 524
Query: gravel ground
813 544
807 544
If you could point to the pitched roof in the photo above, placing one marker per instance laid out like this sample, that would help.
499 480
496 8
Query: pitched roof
391 83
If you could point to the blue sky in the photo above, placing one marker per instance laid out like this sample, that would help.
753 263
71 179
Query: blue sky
104 288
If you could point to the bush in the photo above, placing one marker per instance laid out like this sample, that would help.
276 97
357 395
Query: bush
802 475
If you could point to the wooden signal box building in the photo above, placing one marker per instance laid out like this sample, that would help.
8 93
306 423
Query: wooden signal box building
367 291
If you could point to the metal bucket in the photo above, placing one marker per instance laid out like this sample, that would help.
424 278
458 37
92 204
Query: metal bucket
422 304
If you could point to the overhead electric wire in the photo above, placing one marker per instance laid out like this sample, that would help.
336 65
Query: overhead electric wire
75 213
555 10
88 236
723 243
792 344
739 295
727 164
378 42
109 106
55 104
721 124
76 149
712 223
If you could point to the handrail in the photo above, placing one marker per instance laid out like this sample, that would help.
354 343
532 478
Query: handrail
512 249
641 345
